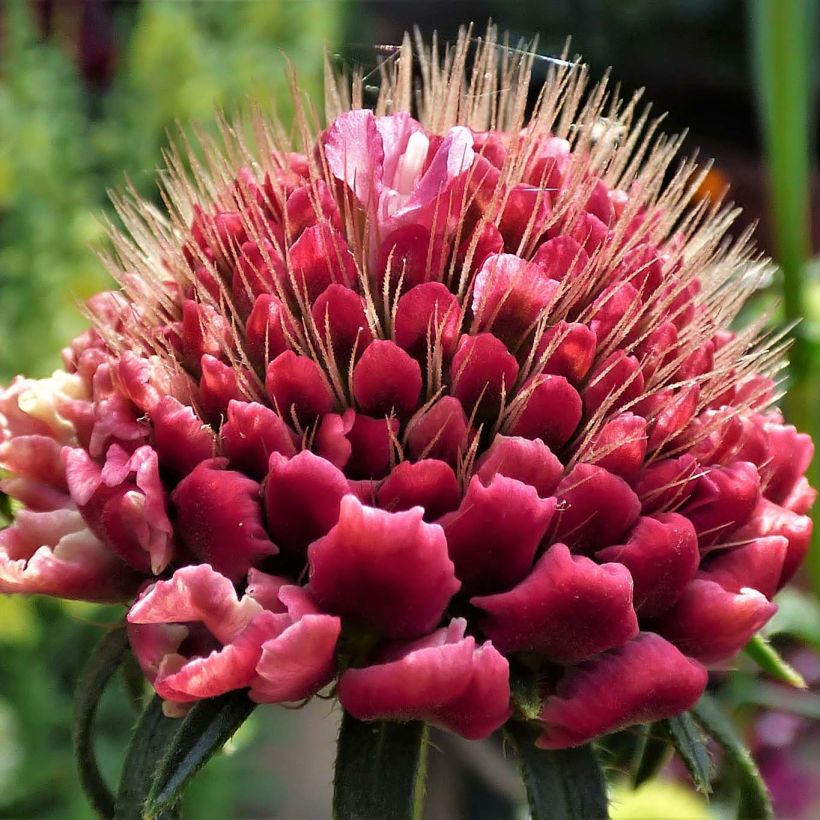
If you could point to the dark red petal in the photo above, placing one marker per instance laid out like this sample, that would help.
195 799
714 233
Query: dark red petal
493 536
412 256
722 500
620 446
790 454
666 484
180 438
219 519
318 258
560 257
594 508
217 386
372 447
645 680
440 432
265 330
642 268
259 268
673 416
482 370
386 379
442 678
549 409
617 380
203 330
662 555
251 434
769 519
589 232
567 609
428 310
757 565
527 460
310 204
331 441
428 483
618 306
569 348
302 498
389 569
340 320
712 624
297 382
485 240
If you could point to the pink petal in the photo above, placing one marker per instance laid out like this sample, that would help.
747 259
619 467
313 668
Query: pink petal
493 536
355 154
790 454
561 257
661 553
302 499
218 386
645 680
411 256
712 624
297 663
527 460
443 678
428 483
667 483
371 447
219 519
389 569
595 508
386 379
509 296
54 553
198 594
567 609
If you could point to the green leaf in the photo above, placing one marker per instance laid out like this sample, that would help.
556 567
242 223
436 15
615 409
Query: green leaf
769 660
149 743
690 744
104 662
562 784
381 768
755 803
203 732
654 755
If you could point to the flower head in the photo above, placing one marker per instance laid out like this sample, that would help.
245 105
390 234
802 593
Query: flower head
424 396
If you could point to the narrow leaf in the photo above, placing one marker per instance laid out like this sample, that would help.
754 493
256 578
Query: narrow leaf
381 768
769 660
691 746
203 732
755 803
149 743
104 662
563 784
654 755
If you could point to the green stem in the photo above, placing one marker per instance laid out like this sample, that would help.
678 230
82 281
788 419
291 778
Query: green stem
380 770
562 784
104 662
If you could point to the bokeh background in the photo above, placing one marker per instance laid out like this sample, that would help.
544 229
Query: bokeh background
88 92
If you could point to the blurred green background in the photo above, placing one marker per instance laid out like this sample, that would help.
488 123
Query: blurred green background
88 92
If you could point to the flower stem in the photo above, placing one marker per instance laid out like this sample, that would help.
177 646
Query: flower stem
381 769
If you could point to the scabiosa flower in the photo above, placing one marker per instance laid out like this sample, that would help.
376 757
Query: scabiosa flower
427 395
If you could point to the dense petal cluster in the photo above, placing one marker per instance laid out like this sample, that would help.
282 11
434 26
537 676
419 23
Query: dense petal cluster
426 397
